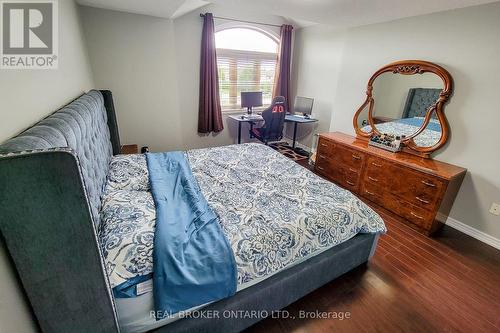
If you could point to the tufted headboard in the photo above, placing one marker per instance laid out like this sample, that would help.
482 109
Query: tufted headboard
52 176
83 127
419 100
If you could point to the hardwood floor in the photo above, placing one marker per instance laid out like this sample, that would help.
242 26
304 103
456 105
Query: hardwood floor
447 283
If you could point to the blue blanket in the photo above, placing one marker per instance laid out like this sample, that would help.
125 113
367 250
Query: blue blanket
193 261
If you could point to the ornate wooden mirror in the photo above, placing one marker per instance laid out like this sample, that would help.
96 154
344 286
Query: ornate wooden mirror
406 99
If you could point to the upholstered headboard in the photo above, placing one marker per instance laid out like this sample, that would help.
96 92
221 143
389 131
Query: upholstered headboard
419 100
52 176
83 127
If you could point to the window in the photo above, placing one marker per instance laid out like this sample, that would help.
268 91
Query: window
246 61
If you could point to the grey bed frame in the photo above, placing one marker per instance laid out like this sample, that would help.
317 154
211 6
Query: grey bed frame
50 182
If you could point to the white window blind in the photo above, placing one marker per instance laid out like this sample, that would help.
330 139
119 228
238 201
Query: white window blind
245 70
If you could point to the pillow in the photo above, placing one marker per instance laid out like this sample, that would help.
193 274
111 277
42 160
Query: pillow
128 172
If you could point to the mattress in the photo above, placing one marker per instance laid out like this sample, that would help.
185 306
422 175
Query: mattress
274 213
135 314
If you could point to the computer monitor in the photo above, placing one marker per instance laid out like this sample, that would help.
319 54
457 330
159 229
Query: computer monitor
303 105
249 99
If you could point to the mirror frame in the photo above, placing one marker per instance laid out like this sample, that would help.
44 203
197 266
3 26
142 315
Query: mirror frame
411 67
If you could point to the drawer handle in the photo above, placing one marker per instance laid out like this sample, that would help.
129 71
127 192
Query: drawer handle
350 183
377 165
324 145
422 200
425 182
370 193
353 170
417 216
322 157
321 168
373 179
356 157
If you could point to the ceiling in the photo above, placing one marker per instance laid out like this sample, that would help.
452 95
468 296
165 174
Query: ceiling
336 13
160 8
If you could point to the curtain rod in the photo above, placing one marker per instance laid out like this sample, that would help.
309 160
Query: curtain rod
252 22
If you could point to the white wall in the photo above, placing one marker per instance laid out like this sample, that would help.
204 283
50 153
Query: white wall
25 97
28 95
464 41
390 91
316 66
152 67
133 56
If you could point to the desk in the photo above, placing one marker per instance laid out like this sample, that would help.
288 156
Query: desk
252 120
290 118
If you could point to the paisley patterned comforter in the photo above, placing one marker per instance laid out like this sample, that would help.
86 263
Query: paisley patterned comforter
273 212
128 218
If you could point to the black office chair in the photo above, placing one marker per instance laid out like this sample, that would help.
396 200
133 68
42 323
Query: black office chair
274 121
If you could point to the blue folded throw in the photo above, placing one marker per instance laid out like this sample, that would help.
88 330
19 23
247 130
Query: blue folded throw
193 261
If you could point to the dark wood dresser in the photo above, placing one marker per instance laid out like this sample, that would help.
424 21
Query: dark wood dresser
420 190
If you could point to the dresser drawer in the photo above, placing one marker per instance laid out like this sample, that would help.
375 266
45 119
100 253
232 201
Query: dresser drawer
325 147
342 174
417 188
322 158
378 171
326 167
322 165
373 193
417 215
349 157
349 178
412 213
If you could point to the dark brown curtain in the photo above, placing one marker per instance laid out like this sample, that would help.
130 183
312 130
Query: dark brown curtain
282 75
210 115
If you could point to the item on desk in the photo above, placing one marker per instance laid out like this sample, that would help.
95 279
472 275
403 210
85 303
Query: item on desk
303 105
250 99
252 116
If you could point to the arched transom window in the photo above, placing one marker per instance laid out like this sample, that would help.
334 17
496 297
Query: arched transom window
246 61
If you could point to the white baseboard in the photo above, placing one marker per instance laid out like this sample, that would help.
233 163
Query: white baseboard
474 233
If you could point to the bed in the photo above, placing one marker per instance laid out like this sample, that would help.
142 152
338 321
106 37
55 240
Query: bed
287 230
408 126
